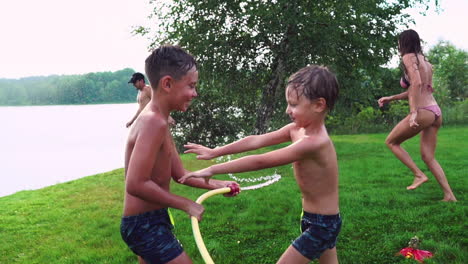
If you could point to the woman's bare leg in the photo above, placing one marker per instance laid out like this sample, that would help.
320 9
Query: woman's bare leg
428 146
399 134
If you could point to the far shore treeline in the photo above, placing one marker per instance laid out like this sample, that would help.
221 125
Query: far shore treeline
90 88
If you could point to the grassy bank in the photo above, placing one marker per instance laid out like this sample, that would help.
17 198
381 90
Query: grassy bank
78 221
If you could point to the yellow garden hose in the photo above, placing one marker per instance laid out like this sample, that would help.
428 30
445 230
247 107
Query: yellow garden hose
196 229
234 189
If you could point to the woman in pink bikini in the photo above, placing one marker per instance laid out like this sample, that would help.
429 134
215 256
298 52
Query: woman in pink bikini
425 116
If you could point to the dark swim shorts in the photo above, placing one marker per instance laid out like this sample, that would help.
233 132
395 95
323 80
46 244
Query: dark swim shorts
149 235
319 233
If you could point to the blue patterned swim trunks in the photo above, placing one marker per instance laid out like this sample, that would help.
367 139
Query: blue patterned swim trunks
149 235
319 233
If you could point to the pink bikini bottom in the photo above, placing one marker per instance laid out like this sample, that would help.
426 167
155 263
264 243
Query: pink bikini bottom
434 109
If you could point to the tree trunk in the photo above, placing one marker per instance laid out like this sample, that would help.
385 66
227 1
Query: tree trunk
266 107
268 101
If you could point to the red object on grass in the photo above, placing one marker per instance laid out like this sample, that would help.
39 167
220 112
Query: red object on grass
417 254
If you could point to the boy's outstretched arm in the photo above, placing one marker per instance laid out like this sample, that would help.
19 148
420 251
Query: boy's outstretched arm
242 145
178 171
294 152
141 163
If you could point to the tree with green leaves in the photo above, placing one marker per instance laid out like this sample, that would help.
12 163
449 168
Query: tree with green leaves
251 47
450 71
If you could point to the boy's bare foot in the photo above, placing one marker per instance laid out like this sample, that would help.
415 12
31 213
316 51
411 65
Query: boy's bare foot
449 198
418 180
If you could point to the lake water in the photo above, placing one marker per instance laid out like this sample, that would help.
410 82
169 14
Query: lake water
46 145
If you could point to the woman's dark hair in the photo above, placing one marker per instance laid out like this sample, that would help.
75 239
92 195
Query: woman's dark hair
409 42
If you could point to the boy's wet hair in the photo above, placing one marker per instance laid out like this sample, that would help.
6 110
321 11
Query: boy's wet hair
315 81
168 60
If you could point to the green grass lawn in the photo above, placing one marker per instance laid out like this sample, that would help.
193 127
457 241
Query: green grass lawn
78 221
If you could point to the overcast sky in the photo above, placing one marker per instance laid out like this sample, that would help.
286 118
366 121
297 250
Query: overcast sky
74 37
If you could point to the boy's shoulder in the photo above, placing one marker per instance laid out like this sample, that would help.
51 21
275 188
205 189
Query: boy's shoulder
150 129
151 120
315 142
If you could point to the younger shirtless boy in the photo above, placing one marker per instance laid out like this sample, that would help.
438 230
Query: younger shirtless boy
311 93
151 160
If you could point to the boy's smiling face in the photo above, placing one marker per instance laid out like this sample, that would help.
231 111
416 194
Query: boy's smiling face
299 107
302 110
185 89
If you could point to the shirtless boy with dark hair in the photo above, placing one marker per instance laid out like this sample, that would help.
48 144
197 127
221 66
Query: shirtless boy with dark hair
151 160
